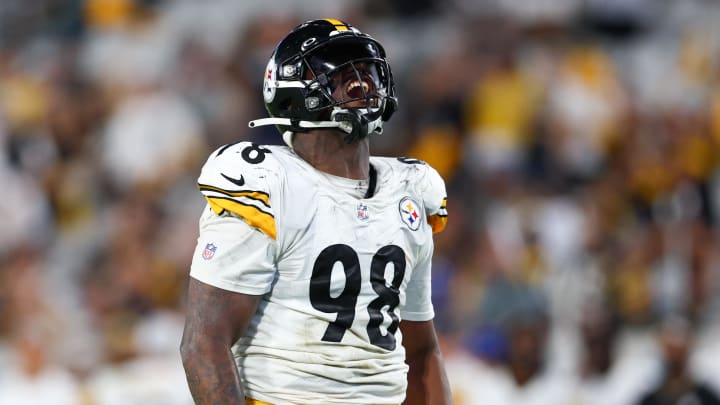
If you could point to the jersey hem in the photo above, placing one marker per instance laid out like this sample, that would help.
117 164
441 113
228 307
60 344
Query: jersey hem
417 316
275 401
232 287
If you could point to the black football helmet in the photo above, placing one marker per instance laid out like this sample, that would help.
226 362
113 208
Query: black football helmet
301 84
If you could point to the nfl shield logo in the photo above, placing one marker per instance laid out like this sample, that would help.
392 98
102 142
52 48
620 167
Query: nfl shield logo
362 212
209 251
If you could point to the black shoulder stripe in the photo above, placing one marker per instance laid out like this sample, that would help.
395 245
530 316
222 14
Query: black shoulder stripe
249 197
205 187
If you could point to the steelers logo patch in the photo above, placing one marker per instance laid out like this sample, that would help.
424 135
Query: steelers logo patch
410 213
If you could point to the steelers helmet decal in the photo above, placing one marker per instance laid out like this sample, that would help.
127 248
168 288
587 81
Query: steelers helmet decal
269 81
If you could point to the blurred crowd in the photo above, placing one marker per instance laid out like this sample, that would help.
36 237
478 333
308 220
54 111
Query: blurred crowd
579 139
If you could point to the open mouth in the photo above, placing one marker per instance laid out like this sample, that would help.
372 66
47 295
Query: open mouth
357 89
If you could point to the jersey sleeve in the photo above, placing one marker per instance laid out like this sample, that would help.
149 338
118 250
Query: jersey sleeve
418 302
235 179
232 255
434 197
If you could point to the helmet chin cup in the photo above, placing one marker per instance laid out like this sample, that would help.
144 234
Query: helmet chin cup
356 124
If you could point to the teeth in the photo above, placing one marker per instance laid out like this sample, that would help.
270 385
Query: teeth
357 83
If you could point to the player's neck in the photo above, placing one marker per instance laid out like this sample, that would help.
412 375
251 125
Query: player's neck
328 152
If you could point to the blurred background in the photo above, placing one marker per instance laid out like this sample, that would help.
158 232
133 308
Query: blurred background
579 139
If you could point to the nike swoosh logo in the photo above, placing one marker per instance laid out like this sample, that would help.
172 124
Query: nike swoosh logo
238 182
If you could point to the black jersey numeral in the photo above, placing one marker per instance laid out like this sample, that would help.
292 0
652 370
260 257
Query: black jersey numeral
254 153
343 304
387 295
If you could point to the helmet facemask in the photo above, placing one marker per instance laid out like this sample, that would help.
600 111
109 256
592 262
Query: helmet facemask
348 83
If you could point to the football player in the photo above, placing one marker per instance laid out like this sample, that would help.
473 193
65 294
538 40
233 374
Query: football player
310 283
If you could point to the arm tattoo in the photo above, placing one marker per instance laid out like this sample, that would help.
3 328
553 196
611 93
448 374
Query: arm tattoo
214 320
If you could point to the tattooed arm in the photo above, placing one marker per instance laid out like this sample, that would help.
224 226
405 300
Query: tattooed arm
215 319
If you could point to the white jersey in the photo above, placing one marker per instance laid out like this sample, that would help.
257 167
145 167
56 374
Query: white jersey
337 271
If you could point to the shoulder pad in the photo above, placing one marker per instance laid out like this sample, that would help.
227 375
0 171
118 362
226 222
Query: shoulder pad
431 188
235 179
434 196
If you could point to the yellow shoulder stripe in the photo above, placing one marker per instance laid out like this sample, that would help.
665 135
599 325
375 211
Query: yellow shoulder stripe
252 215
437 222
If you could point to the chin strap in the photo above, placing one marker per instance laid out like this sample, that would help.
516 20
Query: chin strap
351 121
358 123
355 124
288 122
288 135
